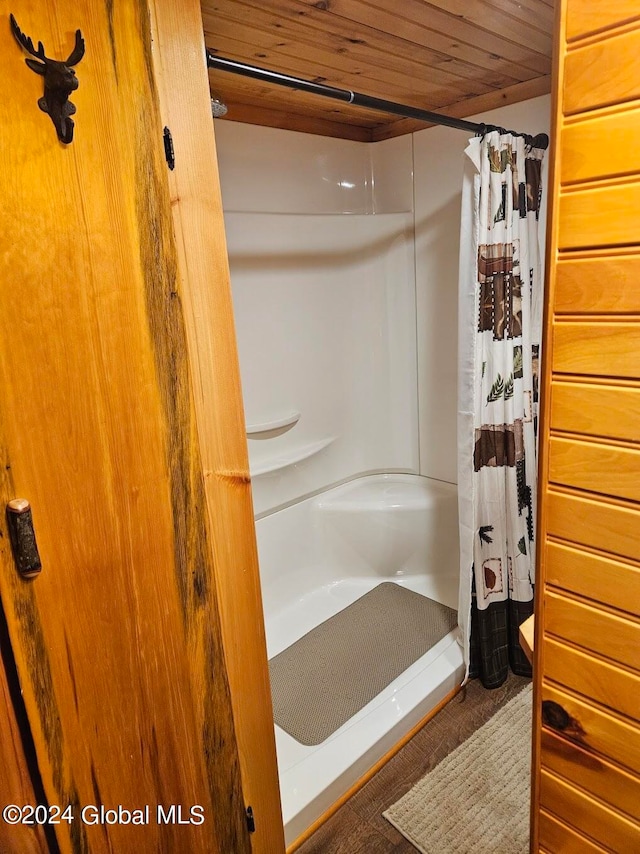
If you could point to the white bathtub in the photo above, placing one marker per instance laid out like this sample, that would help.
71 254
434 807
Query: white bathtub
316 558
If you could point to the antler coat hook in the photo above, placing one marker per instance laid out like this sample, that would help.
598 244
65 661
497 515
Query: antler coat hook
59 81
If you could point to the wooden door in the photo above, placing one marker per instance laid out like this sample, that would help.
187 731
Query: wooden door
586 780
118 643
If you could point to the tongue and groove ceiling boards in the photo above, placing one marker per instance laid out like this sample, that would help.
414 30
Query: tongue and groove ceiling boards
456 57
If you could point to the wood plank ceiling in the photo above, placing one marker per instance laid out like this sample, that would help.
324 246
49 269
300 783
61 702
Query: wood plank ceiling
458 57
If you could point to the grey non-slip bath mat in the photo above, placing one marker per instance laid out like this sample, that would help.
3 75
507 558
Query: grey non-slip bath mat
328 675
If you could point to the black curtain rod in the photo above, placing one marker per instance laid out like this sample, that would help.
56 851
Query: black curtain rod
360 100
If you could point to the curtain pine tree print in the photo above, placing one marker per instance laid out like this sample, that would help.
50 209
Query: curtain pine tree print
499 400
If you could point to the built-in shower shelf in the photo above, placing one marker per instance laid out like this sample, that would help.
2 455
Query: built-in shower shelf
290 457
275 427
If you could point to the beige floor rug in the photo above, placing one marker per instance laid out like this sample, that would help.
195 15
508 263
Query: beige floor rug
328 675
476 801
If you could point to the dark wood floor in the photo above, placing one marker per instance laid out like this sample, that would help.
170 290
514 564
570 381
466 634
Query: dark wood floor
358 827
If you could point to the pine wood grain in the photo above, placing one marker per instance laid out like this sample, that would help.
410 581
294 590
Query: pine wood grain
586 658
595 467
601 146
599 282
601 216
596 730
555 835
219 415
315 30
428 55
304 121
603 824
590 16
543 504
526 634
611 686
597 348
602 525
602 73
608 634
596 410
16 785
471 106
594 774
611 582
238 90
97 428
502 37
390 61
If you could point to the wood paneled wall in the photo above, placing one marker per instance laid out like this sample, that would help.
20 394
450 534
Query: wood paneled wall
587 668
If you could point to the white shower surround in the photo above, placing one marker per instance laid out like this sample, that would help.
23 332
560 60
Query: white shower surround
324 305
347 331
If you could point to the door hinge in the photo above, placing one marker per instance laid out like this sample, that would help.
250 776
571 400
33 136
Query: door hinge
251 822
168 148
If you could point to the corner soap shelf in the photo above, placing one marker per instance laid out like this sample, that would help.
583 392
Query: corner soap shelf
290 457
264 429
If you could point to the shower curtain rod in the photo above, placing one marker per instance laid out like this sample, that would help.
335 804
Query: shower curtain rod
360 100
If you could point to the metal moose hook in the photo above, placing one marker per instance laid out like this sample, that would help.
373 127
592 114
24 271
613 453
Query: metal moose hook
59 81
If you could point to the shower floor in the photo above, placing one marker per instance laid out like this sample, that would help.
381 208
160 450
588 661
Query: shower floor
325 678
313 778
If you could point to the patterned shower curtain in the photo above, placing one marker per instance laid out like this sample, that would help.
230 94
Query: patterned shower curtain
499 347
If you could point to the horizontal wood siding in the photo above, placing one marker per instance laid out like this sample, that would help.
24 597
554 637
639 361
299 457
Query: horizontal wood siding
594 774
597 283
555 835
605 146
599 216
596 410
607 826
604 72
586 782
593 677
595 576
597 349
595 467
589 16
588 522
607 634
597 730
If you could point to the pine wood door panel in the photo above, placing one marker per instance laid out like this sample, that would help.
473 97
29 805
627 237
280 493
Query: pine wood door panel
596 410
607 581
597 730
599 216
196 206
605 633
592 677
595 467
597 283
606 72
598 821
597 349
117 642
16 785
601 525
555 836
606 781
